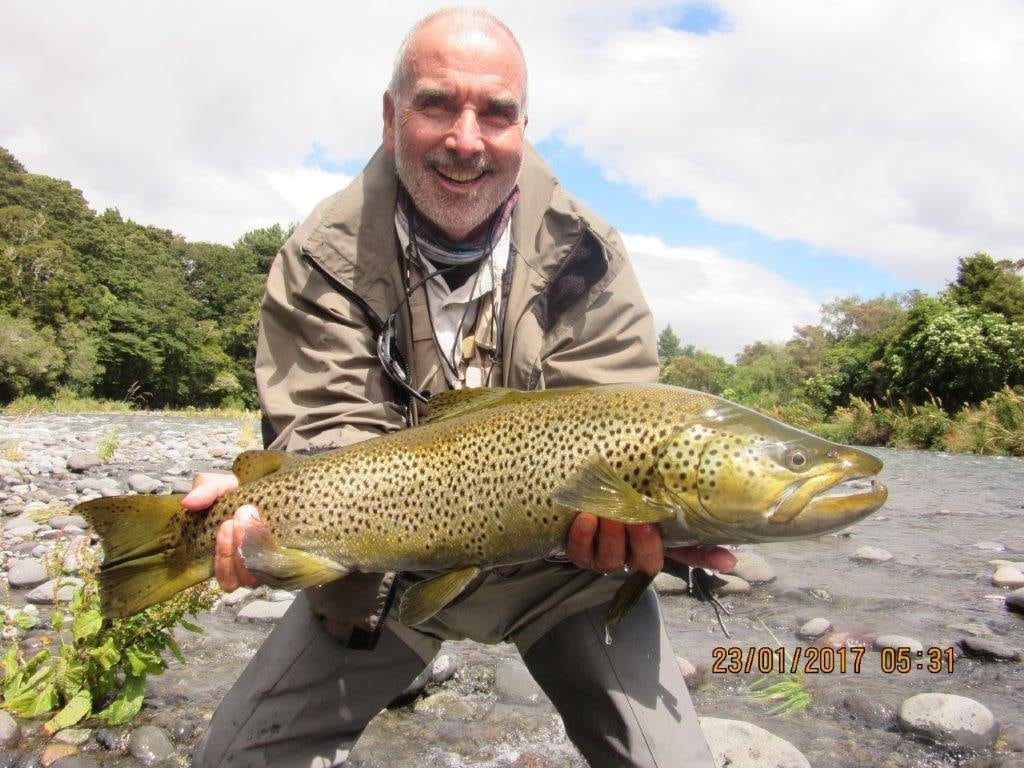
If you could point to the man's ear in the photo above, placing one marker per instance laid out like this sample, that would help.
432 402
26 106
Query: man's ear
389 122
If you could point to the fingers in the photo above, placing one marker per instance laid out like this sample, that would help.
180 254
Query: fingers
580 543
207 488
715 558
645 549
610 552
228 567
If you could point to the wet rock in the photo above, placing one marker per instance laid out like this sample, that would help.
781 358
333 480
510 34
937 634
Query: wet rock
512 682
150 745
25 574
109 487
898 641
445 704
872 555
48 594
112 739
237 597
21 526
76 736
262 611
738 743
814 628
853 637
954 721
53 752
443 668
280 596
734 585
972 628
181 485
693 674
794 595
1008 577
81 461
74 761
666 584
9 730
753 568
872 711
183 729
143 483
1015 601
63 521
989 648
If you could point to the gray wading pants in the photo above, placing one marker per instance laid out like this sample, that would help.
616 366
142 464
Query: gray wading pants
304 698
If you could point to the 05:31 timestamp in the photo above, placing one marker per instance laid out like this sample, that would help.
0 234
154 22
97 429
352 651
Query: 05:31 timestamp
826 660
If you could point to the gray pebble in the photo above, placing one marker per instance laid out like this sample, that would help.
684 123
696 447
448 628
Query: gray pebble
112 739
76 736
989 648
872 711
513 682
280 595
45 594
734 585
259 611
62 521
150 745
237 597
872 555
950 720
752 568
445 704
74 761
80 461
9 730
25 574
738 743
144 483
21 524
442 668
183 729
814 628
898 641
1006 576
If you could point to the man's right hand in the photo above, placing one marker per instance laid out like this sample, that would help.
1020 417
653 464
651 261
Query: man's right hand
227 563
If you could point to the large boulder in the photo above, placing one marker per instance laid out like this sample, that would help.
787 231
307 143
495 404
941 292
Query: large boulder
737 743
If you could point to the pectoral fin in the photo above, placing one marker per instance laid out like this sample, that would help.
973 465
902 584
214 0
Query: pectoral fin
284 567
629 594
595 488
423 600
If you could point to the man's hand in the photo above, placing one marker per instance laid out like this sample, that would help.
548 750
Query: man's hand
604 545
227 563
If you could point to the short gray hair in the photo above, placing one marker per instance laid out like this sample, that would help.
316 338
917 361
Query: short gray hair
483 17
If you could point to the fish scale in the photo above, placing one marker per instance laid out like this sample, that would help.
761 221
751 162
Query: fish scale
495 478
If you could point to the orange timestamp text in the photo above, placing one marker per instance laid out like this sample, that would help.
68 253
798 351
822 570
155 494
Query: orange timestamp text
826 660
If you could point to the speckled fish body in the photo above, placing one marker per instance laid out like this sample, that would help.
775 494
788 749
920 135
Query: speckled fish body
496 477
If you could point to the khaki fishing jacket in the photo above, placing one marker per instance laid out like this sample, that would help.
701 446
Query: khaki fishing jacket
572 314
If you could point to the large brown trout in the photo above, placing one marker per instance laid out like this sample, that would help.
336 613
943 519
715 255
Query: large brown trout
495 477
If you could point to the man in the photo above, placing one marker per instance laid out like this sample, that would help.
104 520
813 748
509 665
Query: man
457 242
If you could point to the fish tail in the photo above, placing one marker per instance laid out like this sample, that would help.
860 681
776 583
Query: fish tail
146 558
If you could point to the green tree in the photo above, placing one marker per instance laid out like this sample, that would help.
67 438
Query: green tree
668 345
697 369
990 285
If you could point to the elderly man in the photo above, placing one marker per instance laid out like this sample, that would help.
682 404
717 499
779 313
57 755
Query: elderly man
455 259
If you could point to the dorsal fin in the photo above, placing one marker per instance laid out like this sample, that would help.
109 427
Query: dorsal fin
458 402
252 465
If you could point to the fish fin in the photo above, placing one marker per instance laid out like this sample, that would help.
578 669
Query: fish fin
629 594
285 567
459 402
146 560
595 488
252 465
423 600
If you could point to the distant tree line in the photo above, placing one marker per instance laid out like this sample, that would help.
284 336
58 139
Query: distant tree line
99 306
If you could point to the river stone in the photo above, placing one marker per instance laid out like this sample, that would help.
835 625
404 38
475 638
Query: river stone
1015 601
898 641
9 730
143 483
989 648
948 719
972 628
44 593
446 704
63 521
260 611
734 585
814 628
872 711
753 568
667 584
239 595
180 485
1008 577
21 525
76 736
854 637
112 739
74 761
443 668
280 596
693 674
512 682
25 574
872 555
108 487
150 745
183 729
80 461
53 752
745 745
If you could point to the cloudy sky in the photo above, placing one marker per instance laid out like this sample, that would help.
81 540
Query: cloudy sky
759 158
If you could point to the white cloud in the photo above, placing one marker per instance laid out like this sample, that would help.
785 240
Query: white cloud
713 302
886 131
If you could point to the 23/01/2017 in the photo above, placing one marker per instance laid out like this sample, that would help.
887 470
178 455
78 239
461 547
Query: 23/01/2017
826 660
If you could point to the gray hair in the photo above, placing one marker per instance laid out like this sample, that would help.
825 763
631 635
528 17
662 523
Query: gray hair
482 17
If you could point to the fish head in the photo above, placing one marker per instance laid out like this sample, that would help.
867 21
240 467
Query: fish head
739 476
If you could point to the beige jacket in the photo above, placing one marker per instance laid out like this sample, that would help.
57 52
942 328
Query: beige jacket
573 314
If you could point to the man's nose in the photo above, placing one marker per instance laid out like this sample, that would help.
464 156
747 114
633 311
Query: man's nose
464 139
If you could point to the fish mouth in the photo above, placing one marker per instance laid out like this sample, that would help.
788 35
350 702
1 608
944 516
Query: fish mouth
831 508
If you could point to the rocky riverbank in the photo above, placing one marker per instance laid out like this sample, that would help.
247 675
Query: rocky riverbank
477 706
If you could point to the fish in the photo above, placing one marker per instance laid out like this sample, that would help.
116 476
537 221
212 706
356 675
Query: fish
494 477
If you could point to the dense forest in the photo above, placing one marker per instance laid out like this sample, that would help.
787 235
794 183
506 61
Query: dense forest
92 305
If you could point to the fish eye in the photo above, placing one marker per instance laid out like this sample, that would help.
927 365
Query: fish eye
797 459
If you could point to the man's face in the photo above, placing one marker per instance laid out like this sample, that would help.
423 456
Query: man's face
456 127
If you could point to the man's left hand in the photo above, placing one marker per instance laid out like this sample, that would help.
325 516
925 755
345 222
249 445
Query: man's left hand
599 544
